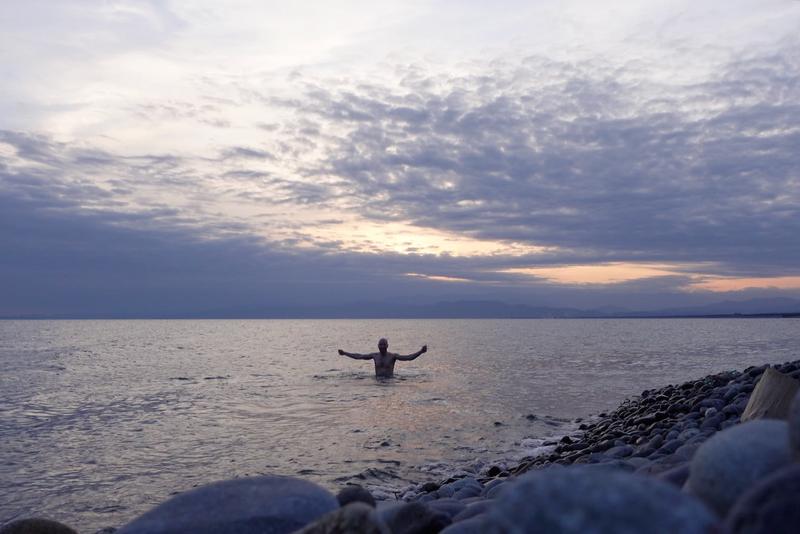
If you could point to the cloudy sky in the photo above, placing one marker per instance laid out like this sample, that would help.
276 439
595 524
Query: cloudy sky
179 156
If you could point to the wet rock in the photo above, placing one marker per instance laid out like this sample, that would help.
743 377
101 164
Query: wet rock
412 518
355 517
493 471
728 463
355 493
267 505
578 500
35 525
770 506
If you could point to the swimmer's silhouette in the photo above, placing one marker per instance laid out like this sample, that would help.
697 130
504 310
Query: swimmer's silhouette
384 360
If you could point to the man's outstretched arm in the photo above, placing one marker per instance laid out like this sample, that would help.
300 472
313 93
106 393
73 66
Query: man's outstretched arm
355 356
410 357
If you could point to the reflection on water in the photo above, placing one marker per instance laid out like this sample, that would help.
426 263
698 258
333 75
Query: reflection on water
103 419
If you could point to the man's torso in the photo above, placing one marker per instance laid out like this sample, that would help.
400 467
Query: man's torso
384 364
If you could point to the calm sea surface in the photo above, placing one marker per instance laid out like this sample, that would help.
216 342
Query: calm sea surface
99 420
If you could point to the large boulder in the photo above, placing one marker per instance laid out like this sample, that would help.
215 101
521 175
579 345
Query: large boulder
769 507
771 397
355 517
264 505
580 500
34 525
794 427
355 493
732 460
412 518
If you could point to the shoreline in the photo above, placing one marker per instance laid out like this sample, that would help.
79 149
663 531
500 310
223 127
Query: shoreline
652 436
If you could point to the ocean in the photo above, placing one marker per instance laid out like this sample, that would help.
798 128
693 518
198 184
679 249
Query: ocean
101 420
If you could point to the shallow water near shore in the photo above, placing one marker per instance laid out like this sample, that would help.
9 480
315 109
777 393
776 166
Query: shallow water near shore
103 419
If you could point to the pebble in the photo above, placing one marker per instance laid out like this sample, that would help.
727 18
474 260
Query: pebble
728 463
579 500
265 504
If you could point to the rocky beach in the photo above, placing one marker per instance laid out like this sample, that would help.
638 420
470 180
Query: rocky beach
716 454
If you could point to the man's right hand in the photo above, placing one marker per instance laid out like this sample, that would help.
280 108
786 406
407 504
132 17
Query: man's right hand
341 352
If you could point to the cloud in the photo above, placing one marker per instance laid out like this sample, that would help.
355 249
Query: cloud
592 158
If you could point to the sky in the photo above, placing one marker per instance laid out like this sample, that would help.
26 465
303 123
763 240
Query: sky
168 157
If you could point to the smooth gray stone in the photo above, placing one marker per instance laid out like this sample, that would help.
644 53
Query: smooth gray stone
355 493
732 460
479 524
493 487
610 464
656 468
265 505
445 491
670 446
794 426
688 434
355 517
426 497
451 507
686 451
770 506
474 509
35 525
655 442
619 452
677 475
413 518
712 422
466 482
637 463
578 500
467 492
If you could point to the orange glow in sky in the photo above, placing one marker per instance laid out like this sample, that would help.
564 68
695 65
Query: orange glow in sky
618 272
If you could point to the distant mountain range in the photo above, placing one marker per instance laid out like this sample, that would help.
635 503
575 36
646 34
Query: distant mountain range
479 309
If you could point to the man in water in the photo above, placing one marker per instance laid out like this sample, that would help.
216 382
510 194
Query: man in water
384 360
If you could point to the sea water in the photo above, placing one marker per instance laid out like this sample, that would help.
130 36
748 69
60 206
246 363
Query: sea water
101 420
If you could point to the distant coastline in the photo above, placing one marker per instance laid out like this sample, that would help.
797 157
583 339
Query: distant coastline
187 317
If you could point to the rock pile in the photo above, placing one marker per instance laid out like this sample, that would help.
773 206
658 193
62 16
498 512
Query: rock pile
675 459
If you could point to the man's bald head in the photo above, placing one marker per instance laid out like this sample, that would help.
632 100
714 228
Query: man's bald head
383 344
